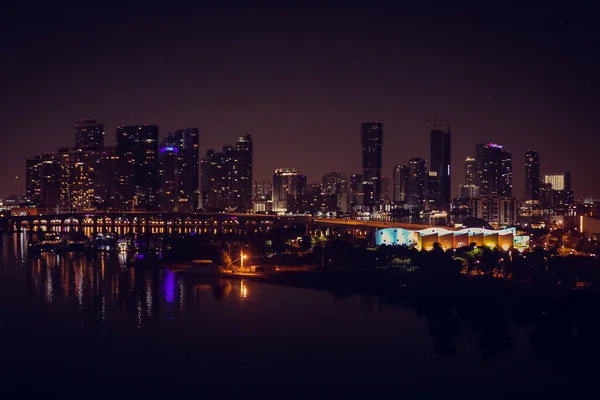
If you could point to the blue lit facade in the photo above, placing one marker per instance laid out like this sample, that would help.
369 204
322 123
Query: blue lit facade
448 239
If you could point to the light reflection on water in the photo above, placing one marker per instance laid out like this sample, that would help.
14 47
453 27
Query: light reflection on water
254 326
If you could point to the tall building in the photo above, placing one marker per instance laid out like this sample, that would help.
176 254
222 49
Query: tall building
79 177
185 144
386 188
243 172
168 173
440 164
288 186
494 170
372 140
432 190
468 191
560 188
505 184
399 183
51 179
334 183
355 182
417 182
33 181
138 172
502 211
471 171
532 175
107 189
89 134
208 180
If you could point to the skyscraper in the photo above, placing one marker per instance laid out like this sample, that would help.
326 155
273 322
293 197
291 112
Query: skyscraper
470 171
33 181
187 178
532 175
168 173
288 185
494 170
138 172
505 185
417 182
399 183
440 164
334 183
89 134
372 140
243 172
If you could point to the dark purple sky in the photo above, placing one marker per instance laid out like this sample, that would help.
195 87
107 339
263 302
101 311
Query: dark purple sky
302 79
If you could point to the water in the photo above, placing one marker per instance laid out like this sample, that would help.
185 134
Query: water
72 325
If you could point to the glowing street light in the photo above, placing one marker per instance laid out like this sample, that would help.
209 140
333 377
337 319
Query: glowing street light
242 258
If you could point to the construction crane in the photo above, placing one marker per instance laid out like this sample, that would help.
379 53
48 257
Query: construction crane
434 121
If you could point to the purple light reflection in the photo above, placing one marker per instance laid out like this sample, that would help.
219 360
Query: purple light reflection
169 286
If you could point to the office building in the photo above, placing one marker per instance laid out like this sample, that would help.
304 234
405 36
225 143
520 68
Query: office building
417 182
558 188
243 173
496 210
33 181
372 140
334 183
399 184
440 144
471 171
532 175
468 191
288 187
494 170
89 135
138 171
432 191
168 162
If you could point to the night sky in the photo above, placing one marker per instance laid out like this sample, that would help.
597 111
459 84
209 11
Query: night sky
301 79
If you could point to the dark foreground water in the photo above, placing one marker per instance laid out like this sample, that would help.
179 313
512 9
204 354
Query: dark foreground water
70 326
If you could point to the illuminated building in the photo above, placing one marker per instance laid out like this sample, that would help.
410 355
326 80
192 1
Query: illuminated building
168 170
505 185
33 181
208 179
372 140
243 172
440 164
560 186
468 191
470 171
494 170
432 190
502 211
417 182
425 238
355 181
180 170
335 183
532 175
107 188
288 186
51 177
138 171
79 177
400 184
89 135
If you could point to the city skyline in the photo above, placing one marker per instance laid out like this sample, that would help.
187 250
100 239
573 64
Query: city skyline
314 90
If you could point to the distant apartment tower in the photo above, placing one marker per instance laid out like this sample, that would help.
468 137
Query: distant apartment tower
33 181
288 186
432 191
244 172
417 182
558 187
89 134
470 171
494 170
532 175
138 171
334 183
372 140
399 184
440 164
502 211
180 170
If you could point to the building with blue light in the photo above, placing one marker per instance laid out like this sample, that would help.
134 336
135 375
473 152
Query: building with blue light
447 238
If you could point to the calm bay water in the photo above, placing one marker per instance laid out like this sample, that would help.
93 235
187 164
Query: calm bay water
70 323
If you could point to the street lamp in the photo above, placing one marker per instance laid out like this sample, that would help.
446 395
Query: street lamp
242 258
